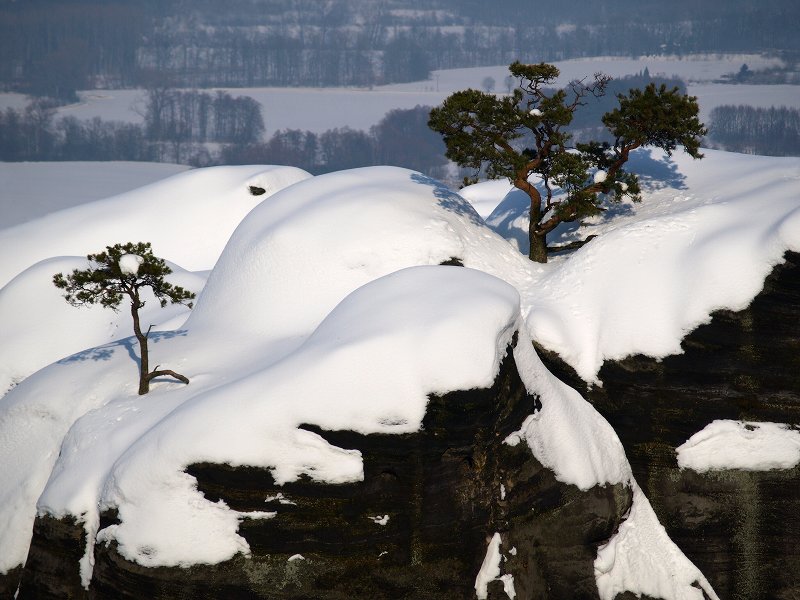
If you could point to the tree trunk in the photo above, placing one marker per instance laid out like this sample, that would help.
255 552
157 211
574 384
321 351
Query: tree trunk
144 358
537 239
144 380
538 251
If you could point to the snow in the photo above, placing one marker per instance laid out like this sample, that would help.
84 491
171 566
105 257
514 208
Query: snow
320 109
40 328
397 329
490 571
726 444
129 263
711 95
599 176
566 420
484 195
204 204
490 568
696 244
639 555
508 585
30 190
323 302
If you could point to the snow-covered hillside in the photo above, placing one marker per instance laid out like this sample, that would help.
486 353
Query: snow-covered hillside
32 190
324 303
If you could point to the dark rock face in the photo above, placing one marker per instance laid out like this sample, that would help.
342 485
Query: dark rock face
445 489
52 569
740 528
9 582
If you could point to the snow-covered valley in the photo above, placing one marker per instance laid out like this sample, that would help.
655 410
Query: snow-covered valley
321 109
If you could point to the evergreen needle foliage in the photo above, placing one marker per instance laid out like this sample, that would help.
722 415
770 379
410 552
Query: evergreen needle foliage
123 270
525 134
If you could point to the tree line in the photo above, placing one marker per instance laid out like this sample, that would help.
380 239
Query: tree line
202 129
773 131
55 47
402 138
177 124
194 116
168 134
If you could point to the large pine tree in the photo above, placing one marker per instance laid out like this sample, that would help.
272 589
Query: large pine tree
524 134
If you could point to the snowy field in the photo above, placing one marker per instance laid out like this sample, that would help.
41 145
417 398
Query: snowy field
289 308
320 109
32 190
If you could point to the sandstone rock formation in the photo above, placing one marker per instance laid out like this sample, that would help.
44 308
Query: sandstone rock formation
739 527
447 488
416 527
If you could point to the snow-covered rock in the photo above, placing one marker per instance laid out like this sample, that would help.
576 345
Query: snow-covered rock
187 217
326 309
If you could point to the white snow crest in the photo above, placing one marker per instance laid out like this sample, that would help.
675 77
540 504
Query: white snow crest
726 444
319 312
569 437
207 203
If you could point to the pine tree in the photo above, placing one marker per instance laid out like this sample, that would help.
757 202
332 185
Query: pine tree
525 134
124 270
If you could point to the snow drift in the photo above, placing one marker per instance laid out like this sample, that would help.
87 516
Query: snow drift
327 306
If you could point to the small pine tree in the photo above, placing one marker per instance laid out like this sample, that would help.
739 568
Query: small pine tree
124 270
524 134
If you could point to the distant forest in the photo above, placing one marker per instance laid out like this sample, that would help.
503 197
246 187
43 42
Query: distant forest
200 128
55 47
773 131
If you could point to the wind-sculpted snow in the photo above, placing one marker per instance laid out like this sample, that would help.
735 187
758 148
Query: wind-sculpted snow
28 193
327 307
726 444
39 327
187 217
704 238
641 558
294 258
